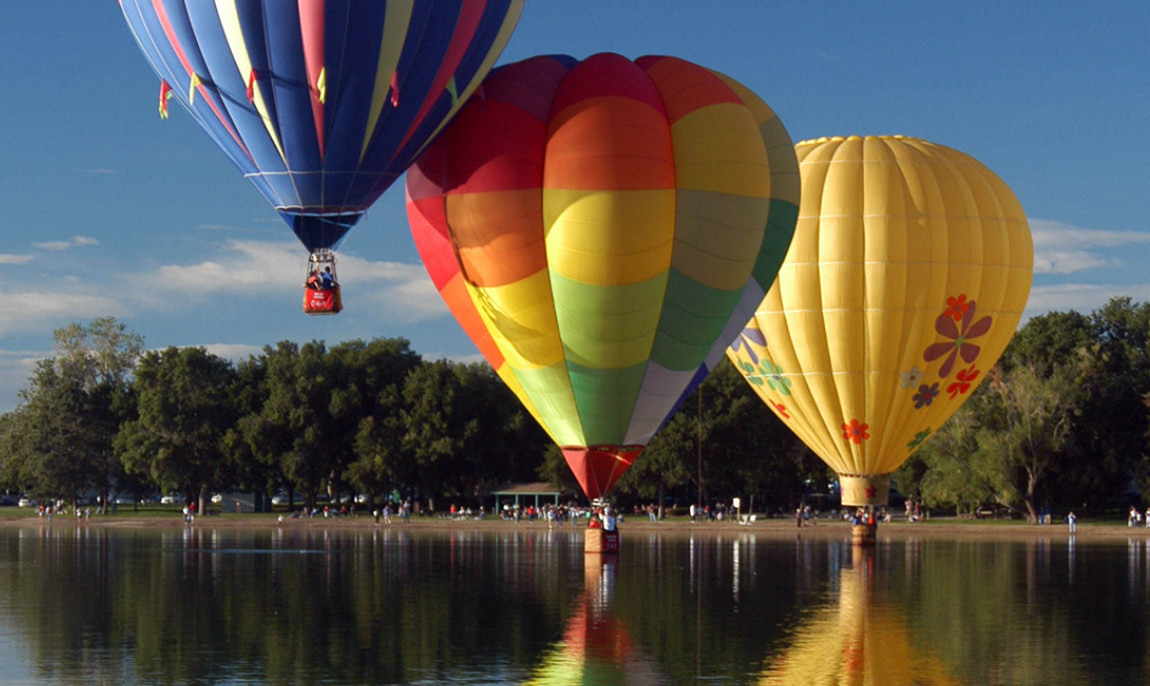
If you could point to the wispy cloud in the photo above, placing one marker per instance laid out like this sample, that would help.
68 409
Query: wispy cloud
15 369
39 311
16 259
246 268
1065 249
236 352
75 242
1081 297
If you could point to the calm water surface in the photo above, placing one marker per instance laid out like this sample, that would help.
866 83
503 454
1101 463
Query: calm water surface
202 606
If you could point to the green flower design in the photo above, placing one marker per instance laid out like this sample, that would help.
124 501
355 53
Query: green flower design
748 370
775 378
918 439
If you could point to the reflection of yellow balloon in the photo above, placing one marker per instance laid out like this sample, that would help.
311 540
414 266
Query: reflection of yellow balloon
907 275
864 640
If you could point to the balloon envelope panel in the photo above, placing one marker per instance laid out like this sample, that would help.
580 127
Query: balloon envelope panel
322 104
908 273
596 225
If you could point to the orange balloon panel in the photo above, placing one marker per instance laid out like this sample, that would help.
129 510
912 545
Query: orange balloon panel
909 269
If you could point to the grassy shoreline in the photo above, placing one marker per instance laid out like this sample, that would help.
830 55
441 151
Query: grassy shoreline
672 526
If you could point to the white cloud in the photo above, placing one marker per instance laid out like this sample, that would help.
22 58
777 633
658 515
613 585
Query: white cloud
76 241
1081 297
236 352
249 266
16 259
15 369
1065 249
1068 261
30 312
254 268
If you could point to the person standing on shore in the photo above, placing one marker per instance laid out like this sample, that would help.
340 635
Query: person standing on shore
1072 520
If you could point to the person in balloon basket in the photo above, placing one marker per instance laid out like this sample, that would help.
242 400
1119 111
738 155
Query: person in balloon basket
314 281
326 280
609 519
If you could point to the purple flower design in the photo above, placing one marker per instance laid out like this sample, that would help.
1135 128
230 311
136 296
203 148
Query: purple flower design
960 334
925 396
750 335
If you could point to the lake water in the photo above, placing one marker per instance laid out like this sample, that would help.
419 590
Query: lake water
93 605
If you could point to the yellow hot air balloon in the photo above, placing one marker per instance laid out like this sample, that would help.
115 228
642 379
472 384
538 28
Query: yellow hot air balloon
908 272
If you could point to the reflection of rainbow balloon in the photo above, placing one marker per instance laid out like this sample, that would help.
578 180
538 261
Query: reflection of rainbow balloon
865 640
597 228
908 273
322 104
597 647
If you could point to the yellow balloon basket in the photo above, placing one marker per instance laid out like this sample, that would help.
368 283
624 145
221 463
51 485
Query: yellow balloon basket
597 540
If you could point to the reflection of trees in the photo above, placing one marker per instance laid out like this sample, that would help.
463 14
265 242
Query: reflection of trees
864 640
317 605
989 608
381 606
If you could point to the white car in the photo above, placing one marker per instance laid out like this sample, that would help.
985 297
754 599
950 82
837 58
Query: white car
168 500
25 501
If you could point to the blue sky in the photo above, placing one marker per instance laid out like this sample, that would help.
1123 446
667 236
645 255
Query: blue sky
107 210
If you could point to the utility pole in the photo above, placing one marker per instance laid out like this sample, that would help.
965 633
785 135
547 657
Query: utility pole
699 464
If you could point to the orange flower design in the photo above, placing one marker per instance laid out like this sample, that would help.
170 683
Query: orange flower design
963 381
956 307
856 431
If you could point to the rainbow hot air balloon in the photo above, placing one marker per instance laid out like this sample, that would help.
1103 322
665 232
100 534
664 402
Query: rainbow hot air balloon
602 230
909 270
322 104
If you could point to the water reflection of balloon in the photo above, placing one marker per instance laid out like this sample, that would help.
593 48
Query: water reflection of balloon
865 640
907 275
594 226
322 104
597 647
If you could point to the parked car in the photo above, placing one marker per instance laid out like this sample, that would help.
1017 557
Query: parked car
168 500
25 501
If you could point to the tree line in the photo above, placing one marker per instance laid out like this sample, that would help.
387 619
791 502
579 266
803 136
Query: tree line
1060 423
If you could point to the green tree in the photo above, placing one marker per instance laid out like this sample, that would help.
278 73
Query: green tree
946 470
1025 433
71 411
723 436
184 409
52 451
463 432
367 382
292 430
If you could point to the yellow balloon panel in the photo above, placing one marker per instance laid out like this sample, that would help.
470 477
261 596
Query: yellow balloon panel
907 275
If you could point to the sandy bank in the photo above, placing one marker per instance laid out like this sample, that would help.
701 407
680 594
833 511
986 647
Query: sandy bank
939 527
